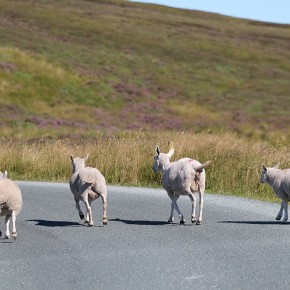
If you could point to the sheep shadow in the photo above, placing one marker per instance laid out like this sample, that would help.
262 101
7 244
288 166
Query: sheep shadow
51 224
8 241
5 241
140 222
254 222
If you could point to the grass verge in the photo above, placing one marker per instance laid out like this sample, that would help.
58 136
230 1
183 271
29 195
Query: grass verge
127 159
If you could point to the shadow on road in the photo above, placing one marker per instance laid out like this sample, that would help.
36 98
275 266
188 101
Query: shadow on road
46 223
7 242
140 222
254 222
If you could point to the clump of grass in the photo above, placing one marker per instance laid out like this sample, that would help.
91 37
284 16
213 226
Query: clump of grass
126 159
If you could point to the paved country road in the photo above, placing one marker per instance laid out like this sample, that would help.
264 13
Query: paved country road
238 246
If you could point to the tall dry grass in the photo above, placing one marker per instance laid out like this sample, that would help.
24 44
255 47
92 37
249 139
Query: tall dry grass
127 159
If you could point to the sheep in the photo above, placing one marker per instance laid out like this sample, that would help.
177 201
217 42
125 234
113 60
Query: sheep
87 184
10 203
182 177
279 180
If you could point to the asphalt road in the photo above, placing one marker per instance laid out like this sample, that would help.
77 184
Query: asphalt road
238 246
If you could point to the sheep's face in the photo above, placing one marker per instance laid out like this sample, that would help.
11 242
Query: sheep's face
78 163
263 177
3 175
161 160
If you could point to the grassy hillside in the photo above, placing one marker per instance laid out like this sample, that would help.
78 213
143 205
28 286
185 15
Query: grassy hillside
71 67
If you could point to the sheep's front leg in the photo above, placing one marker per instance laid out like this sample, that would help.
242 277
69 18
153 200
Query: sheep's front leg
280 213
105 218
7 222
14 233
285 206
193 201
171 217
79 209
175 206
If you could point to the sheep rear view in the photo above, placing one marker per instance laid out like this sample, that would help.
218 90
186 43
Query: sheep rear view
88 184
279 180
182 177
10 203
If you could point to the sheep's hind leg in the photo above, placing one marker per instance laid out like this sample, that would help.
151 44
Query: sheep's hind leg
89 211
105 218
87 216
7 222
201 192
285 206
280 213
14 233
193 201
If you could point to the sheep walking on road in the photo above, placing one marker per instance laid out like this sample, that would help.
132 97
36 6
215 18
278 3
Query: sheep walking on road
182 177
87 184
10 203
279 180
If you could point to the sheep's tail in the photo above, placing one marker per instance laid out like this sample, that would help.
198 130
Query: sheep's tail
91 182
3 206
202 166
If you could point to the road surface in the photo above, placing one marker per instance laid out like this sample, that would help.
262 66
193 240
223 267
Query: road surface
238 246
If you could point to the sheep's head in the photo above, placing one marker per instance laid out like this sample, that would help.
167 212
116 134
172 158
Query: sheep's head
161 160
265 172
263 177
78 163
3 175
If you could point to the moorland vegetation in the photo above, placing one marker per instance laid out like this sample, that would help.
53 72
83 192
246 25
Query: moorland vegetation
114 78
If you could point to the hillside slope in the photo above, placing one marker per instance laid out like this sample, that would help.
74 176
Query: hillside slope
76 66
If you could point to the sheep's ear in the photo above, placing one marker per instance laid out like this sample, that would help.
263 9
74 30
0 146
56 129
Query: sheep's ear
200 168
264 168
72 158
170 153
157 150
277 166
5 174
86 158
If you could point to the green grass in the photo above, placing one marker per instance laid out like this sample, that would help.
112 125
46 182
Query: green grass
123 58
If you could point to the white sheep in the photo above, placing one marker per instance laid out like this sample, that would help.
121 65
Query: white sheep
183 177
10 203
87 184
279 180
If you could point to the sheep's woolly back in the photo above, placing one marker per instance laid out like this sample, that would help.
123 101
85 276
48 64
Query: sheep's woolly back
10 197
90 176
